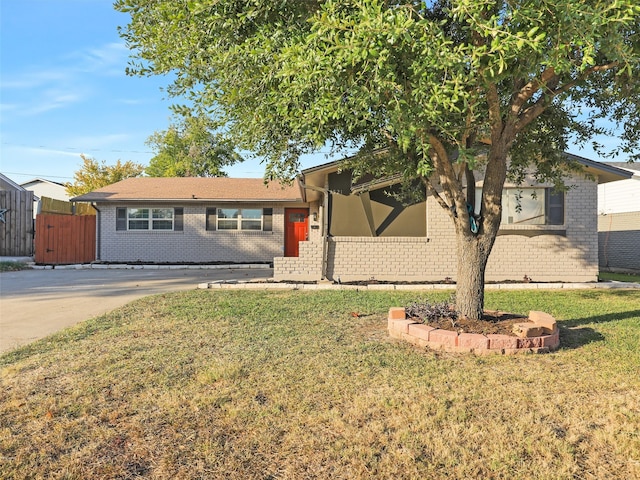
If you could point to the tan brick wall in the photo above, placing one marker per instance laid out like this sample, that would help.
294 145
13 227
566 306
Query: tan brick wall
548 257
306 267
194 244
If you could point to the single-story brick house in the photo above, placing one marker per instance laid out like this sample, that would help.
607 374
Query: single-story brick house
197 220
326 227
362 233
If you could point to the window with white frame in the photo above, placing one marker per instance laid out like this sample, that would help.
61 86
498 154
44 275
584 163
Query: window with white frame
248 219
144 219
530 206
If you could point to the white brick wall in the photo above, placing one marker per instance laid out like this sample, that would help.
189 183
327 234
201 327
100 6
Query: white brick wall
194 244
543 258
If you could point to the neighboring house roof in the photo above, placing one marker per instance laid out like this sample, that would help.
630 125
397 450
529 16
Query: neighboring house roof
193 189
41 187
7 184
631 166
35 181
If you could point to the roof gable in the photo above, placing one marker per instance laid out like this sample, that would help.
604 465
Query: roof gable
605 172
220 189
7 184
36 181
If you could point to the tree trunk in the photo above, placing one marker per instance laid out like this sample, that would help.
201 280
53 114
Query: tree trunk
473 250
470 277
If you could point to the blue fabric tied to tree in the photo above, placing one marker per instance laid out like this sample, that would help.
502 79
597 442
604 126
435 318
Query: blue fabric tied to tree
474 226
473 221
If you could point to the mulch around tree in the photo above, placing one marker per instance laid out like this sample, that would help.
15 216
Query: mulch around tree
492 322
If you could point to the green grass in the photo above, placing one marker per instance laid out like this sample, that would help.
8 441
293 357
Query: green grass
292 385
13 266
619 277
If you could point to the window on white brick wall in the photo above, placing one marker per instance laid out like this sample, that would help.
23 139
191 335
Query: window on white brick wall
529 206
144 219
233 219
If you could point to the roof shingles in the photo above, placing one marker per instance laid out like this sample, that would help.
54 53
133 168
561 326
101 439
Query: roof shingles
193 189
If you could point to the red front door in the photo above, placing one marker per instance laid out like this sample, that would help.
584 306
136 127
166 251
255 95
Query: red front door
296 228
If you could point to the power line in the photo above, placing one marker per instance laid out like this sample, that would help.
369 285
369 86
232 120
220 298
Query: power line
41 175
88 150
74 149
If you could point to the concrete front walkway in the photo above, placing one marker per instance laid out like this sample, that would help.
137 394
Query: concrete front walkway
36 303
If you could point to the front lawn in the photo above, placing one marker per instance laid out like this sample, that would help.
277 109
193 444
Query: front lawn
618 277
300 385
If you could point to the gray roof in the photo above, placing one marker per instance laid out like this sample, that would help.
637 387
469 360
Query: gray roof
629 165
7 184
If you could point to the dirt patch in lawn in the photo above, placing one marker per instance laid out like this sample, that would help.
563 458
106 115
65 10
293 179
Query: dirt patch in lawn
492 322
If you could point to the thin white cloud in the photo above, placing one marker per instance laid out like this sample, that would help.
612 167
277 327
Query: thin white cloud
34 79
109 59
39 90
45 152
52 100
7 107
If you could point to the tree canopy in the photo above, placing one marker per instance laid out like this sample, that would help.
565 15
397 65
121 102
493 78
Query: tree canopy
191 147
443 86
94 174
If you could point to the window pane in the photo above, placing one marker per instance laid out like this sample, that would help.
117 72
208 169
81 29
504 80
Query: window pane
162 225
251 224
297 217
138 213
228 213
228 218
255 214
224 224
166 213
138 224
523 207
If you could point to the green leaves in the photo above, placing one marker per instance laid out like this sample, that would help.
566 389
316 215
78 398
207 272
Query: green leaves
288 77
191 147
94 174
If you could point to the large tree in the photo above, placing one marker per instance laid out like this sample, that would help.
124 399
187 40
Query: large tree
192 146
94 174
445 86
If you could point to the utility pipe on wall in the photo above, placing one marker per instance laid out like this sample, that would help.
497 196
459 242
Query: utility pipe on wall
97 230
325 221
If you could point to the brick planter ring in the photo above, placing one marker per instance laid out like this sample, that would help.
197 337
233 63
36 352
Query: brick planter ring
539 335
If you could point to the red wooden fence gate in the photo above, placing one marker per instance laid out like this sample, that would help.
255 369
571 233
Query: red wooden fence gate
64 239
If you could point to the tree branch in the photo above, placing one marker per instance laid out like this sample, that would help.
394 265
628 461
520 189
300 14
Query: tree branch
532 112
495 117
432 190
448 177
528 90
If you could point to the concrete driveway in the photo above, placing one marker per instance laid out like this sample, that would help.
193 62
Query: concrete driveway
37 303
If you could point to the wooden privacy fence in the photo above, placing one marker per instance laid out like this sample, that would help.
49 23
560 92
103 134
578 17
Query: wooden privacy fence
52 206
16 223
64 239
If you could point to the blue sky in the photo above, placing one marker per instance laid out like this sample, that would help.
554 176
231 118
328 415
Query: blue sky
63 92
